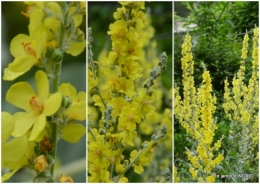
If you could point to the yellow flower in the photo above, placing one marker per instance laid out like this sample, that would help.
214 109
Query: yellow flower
143 103
98 152
77 111
98 175
141 161
132 50
127 135
126 86
37 107
132 69
14 151
129 117
194 173
210 179
117 104
118 30
27 51
39 21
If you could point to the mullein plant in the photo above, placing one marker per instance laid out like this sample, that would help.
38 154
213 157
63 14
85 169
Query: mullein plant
242 108
122 87
195 113
30 136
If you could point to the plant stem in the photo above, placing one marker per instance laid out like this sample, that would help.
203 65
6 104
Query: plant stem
129 166
55 86
56 82
90 131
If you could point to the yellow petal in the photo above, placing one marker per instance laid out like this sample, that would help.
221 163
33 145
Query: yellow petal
81 96
13 150
35 19
54 7
73 132
41 44
7 125
38 127
8 175
19 95
76 48
16 47
77 18
22 63
77 111
10 75
29 153
23 122
138 169
42 85
68 90
52 104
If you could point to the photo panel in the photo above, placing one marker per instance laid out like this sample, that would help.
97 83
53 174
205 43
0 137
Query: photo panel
43 85
216 92
130 92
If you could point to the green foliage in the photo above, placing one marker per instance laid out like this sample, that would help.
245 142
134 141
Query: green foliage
216 42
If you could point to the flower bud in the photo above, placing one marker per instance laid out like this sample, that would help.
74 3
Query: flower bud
65 179
126 163
164 67
41 163
66 102
149 93
56 55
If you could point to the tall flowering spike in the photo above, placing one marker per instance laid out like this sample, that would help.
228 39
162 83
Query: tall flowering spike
195 113
37 107
242 105
118 91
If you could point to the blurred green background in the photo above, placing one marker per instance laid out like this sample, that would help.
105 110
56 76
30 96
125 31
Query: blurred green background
73 72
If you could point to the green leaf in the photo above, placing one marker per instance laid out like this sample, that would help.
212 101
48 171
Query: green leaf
73 132
232 153
246 167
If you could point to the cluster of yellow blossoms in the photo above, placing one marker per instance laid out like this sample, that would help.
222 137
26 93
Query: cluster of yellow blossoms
127 104
195 113
30 136
241 106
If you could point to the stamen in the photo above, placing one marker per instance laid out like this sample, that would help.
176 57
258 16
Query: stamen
36 107
28 49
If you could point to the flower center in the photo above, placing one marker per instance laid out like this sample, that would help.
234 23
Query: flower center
28 49
130 51
130 116
145 102
96 169
34 104
121 34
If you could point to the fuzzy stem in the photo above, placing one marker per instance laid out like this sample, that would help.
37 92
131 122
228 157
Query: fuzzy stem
129 166
56 82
